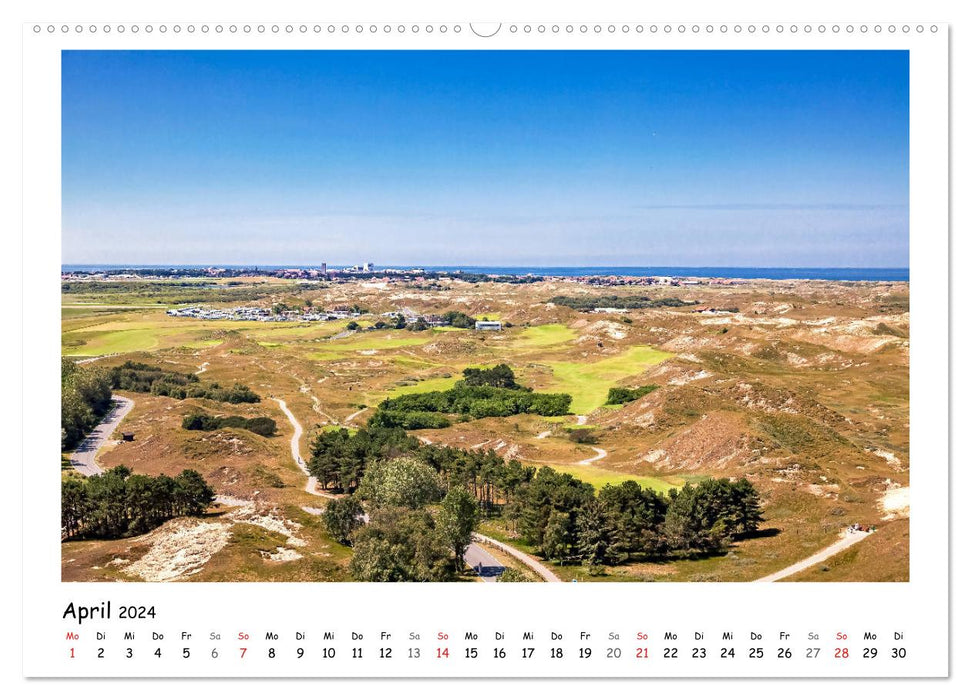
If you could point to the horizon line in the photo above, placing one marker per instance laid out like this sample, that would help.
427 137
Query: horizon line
336 266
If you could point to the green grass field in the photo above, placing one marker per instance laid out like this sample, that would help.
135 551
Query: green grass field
600 477
588 383
138 332
543 336
377 340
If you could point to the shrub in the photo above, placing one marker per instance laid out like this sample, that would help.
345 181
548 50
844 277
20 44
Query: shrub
621 395
583 436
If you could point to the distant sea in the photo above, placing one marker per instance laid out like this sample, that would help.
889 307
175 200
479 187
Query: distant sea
849 274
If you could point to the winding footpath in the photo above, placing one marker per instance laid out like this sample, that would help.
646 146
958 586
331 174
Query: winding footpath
847 540
84 458
312 486
475 555
601 453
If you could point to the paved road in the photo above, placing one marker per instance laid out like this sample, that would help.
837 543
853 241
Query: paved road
544 573
478 559
847 540
83 458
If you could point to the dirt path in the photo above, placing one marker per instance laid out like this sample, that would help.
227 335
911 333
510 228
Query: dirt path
83 458
847 539
353 416
88 360
312 486
601 453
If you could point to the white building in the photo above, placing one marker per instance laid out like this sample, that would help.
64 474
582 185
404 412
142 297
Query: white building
488 326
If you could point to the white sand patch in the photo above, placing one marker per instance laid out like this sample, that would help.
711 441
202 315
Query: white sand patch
180 548
796 360
545 434
282 554
231 501
654 456
271 522
896 503
891 459
367 352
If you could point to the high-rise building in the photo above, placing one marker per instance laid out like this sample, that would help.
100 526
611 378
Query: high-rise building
369 267
323 267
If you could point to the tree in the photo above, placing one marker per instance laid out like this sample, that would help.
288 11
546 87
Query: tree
695 520
192 494
342 517
353 326
557 537
593 534
85 398
403 481
401 545
501 376
456 520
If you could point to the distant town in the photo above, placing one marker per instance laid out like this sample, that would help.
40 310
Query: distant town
280 313
368 270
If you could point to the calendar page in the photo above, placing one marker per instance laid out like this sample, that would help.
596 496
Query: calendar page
452 349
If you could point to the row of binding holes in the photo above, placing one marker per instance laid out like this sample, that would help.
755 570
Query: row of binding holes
257 29
513 29
712 29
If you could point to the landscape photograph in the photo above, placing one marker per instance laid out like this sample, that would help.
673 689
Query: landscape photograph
485 316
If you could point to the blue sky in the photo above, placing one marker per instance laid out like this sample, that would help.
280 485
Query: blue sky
756 158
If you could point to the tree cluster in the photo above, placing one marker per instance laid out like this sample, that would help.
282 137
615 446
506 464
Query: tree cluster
149 379
589 302
85 399
569 522
338 457
261 425
483 393
121 504
458 319
562 516
403 538
500 376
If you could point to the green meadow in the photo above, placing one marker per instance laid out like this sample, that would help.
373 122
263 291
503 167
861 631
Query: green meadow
589 382
544 336
599 477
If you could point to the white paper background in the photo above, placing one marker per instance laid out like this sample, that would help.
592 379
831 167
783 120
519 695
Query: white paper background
918 604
